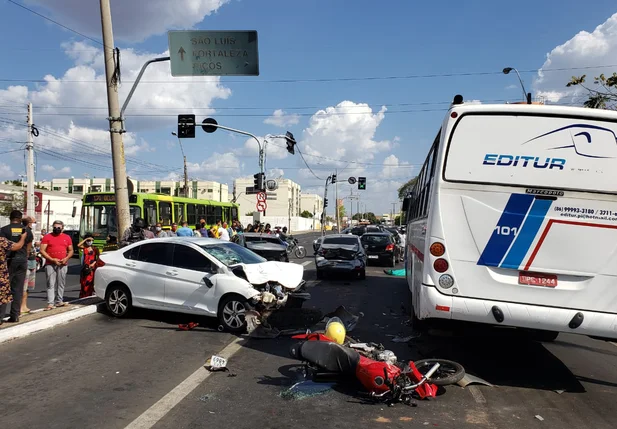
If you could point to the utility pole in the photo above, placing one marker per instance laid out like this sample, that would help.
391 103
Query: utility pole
112 70
338 221
186 177
30 171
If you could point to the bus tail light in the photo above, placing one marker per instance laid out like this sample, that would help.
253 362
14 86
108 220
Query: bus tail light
446 281
390 248
437 249
440 265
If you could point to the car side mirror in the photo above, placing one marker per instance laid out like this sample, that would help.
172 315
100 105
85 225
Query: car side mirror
207 281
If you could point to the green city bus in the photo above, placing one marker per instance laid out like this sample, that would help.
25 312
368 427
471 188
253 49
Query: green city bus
98 213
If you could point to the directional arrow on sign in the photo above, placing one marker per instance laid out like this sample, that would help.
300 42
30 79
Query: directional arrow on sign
181 51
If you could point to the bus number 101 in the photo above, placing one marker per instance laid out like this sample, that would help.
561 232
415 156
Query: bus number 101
506 230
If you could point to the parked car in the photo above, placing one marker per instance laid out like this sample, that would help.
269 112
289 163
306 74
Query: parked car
363 229
202 276
399 239
381 247
269 246
341 253
317 243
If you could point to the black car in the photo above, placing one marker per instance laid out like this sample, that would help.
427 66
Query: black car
398 239
381 246
340 253
363 229
268 246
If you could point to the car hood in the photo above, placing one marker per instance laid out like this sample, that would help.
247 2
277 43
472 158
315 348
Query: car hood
287 274
265 246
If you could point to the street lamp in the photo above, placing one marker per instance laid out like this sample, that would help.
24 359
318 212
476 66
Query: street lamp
507 70
186 179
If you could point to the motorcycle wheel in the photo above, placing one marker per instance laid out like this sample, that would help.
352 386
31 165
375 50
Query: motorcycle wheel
449 372
300 252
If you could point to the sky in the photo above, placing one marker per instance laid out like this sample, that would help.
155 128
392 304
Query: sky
363 86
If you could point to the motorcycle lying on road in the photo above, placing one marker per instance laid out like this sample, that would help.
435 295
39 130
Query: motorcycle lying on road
378 370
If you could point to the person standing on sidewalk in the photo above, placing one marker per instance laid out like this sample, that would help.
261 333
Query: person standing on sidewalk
6 247
17 262
30 281
86 276
57 249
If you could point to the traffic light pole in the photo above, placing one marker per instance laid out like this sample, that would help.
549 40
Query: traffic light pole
325 210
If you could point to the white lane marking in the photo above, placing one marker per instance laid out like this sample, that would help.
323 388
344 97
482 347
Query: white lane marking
477 394
305 263
156 412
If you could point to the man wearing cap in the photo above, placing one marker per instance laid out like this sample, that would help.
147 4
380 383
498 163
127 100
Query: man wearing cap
17 262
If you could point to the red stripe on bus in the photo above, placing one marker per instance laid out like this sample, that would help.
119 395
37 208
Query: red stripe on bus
565 222
417 252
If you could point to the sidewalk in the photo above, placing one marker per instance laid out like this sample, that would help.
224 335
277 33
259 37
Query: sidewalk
38 320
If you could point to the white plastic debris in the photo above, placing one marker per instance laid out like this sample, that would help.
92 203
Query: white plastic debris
539 417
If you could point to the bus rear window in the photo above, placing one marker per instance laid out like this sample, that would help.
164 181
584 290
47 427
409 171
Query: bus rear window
533 151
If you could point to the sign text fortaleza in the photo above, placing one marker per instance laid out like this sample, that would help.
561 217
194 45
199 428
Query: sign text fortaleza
213 53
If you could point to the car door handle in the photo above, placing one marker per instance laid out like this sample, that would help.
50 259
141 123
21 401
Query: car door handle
131 264
172 273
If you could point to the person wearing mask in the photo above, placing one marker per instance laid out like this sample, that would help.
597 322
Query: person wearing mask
17 262
173 230
223 233
30 281
136 232
7 246
57 249
86 276
159 233
197 231
184 231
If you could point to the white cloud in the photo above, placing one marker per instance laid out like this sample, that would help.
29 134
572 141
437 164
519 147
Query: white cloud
392 168
216 166
133 20
282 119
584 49
6 172
275 173
512 86
55 171
275 148
343 132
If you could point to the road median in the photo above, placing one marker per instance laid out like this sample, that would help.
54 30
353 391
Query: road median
42 320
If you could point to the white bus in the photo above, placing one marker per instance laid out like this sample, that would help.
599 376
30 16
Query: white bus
513 220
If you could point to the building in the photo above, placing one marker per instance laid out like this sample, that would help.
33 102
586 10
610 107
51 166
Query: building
204 190
283 202
312 203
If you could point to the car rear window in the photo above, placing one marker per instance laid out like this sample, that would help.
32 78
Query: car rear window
347 241
375 239
266 239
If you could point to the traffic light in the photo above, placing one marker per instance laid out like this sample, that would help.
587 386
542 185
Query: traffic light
334 178
186 126
291 142
259 182
325 203
362 183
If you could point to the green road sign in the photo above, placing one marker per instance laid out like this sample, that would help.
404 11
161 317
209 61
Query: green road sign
213 53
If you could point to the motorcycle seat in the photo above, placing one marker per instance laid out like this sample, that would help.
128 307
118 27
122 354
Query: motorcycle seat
327 355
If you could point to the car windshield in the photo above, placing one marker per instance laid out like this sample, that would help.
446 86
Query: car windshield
232 254
346 241
375 239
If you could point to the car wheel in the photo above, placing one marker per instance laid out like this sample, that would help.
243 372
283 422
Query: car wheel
232 310
118 299
393 261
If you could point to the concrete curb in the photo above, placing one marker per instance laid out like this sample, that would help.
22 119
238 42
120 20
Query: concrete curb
28 328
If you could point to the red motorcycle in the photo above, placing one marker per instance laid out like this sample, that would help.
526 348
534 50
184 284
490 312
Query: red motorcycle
375 368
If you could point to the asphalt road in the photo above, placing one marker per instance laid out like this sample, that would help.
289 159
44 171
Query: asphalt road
101 372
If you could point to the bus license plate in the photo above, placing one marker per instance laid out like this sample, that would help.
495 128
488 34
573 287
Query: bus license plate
537 279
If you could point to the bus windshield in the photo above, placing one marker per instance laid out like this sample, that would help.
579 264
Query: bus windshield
100 220
533 151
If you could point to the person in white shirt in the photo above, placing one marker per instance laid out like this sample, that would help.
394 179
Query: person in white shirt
223 233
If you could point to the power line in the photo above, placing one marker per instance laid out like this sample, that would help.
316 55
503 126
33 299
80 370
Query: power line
306 163
56 22
340 79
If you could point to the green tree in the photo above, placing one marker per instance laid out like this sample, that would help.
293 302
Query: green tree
329 219
341 212
18 203
249 214
13 182
603 96
406 187
306 214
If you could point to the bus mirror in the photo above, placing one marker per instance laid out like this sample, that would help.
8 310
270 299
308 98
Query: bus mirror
74 211
406 202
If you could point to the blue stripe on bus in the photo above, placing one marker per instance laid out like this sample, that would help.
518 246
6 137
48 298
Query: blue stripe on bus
527 234
512 217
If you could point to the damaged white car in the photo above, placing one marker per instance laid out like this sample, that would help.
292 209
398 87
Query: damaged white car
202 276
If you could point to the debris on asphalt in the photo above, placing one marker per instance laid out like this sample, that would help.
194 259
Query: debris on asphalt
349 319
539 417
472 379
559 391
204 398
383 420
188 326
406 339
306 389
216 363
